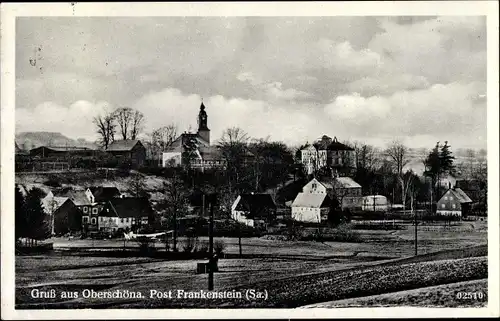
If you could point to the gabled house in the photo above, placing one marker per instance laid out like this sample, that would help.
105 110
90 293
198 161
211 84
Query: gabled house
125 213
129 150
311 207
252 209
86 204
454 203
344 189
67 217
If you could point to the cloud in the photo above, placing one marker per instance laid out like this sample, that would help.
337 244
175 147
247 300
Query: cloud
387 84
74 121
273 90
294 78
436 111
356 108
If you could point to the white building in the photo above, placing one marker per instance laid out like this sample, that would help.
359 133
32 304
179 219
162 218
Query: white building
311 207
375 203
313 159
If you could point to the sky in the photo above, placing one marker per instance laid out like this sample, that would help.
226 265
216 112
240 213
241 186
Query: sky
371 79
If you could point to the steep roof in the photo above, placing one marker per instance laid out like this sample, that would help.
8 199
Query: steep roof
102 193
79 198
460 195
127 207
56 202
346 182
122 145
311 200
211 153
255 203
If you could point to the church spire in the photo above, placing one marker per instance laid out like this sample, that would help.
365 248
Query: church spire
203 130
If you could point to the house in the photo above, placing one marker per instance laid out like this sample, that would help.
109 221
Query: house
454 203
252 209
311 207
195 149
61 151
128 150
125 213
327 152
343 189
347 192
375 203
67 217
86 204
100 194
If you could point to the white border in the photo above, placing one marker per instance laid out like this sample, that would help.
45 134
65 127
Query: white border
10 11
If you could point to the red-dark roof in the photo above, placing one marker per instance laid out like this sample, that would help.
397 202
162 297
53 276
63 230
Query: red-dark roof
102 193
255 204
127 207
122 145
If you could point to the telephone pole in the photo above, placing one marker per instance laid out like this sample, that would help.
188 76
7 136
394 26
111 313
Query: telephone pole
211 245
416 229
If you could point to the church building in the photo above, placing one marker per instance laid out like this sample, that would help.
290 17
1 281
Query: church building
194 148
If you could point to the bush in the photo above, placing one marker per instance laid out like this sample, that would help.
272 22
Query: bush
219 247
52 182
342 233
190 244
202 248
345 233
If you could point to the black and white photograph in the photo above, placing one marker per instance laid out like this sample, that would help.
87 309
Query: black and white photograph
241 160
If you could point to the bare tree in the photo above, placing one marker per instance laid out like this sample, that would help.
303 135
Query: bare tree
106 128
137 122
234 135
160 139
129 121
398 157
365 156
175 202
233 145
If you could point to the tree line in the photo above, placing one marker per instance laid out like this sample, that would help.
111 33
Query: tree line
31 222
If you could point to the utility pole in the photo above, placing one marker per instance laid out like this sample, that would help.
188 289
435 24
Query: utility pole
416 229
211 246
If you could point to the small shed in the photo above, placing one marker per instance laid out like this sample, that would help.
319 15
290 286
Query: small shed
375 203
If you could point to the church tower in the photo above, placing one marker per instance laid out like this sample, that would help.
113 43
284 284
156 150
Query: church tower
203 130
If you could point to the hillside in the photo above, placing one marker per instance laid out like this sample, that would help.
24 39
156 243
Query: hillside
81 180
29 140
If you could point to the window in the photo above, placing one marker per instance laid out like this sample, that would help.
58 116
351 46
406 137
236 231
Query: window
122 220
94 220
453 206
451 198
85 219
85 209
94 210
443 206
446 198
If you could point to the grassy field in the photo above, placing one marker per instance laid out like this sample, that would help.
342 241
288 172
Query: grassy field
434 296
294 274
